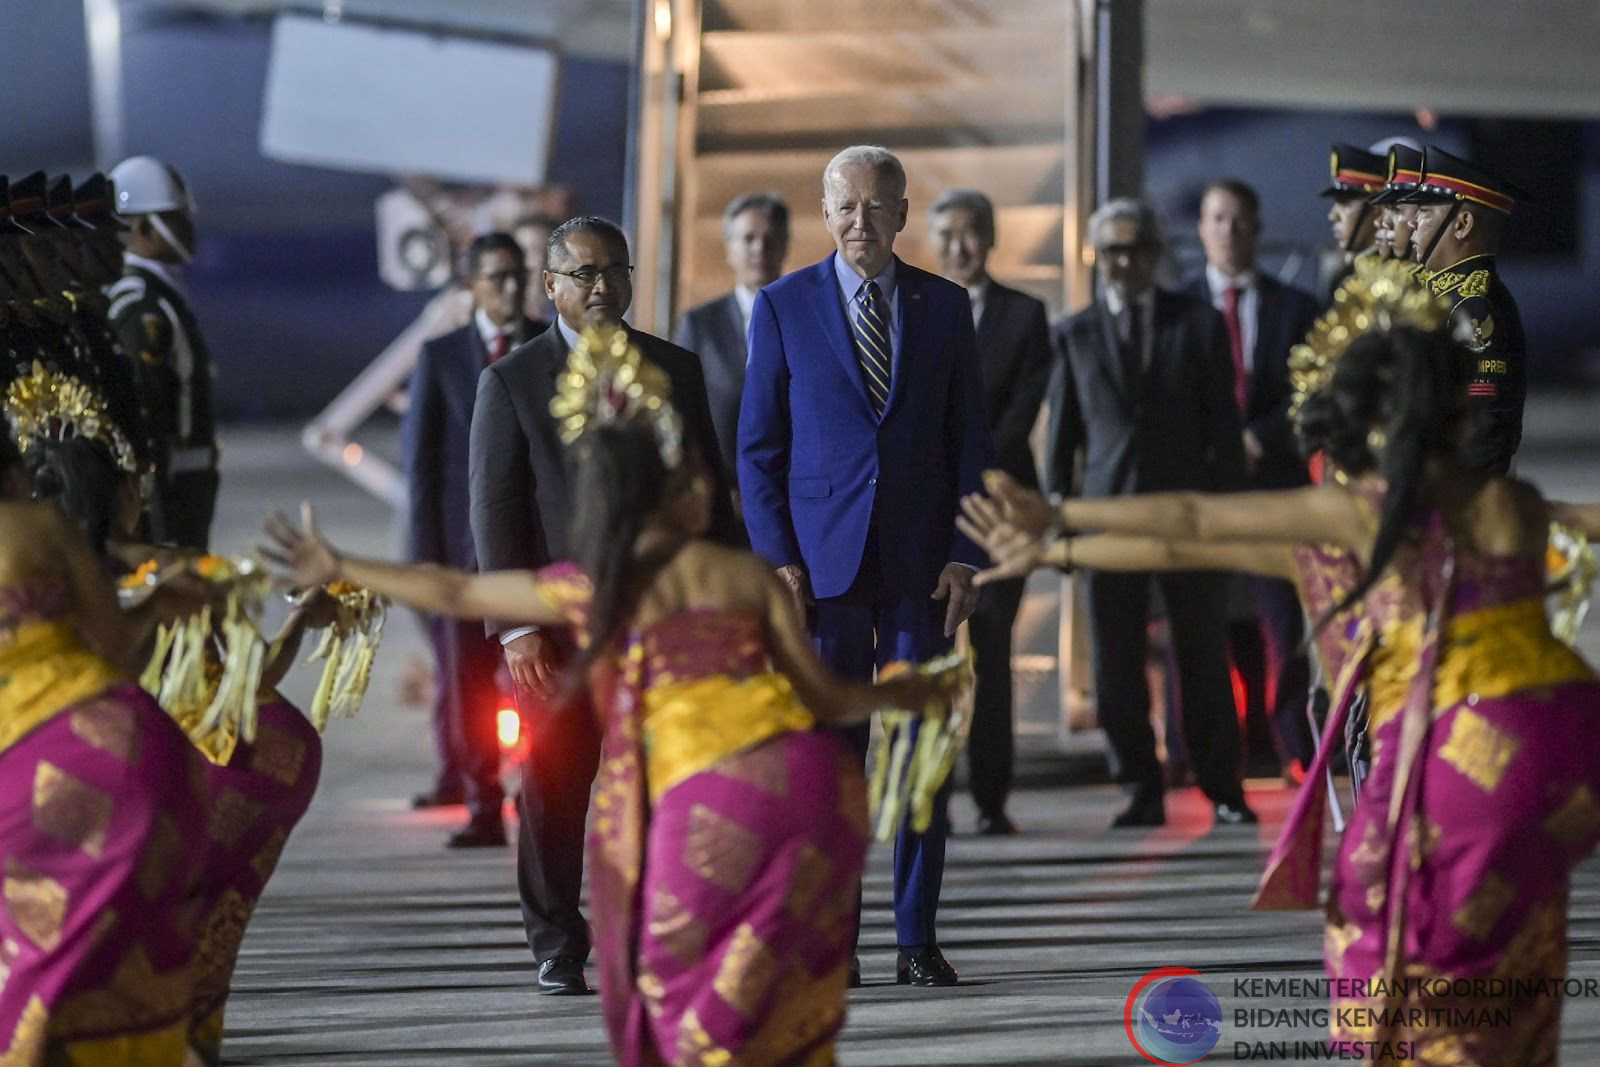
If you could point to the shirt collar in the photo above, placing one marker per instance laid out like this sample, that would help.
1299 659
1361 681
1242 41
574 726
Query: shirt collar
489 331
1221 283
980 292
1114 302
850 282
165 271
568 334
746 299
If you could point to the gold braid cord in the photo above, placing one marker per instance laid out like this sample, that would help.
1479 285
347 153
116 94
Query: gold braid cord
916 753
1379 295
608 380
46 406
347 650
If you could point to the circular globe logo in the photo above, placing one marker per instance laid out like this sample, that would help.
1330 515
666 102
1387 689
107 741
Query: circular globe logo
1172 1017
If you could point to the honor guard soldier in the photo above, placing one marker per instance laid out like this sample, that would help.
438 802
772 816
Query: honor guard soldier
151 318
1355 177
1397 219
1462 213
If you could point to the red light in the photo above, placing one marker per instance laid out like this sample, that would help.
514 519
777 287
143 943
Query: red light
508 726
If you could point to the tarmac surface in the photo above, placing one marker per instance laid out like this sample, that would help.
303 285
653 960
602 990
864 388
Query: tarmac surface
376 946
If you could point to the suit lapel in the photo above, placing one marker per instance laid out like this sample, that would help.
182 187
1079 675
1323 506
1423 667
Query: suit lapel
909 294
1267 297
829 308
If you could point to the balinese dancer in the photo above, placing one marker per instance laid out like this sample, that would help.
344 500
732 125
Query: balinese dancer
730 832
1483 791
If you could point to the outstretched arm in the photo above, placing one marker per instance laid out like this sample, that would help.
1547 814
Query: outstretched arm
834 701
304 558
1016 552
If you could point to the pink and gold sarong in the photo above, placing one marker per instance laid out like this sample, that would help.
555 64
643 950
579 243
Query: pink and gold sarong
100 845
725 854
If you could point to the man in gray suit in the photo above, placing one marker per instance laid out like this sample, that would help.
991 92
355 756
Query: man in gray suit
755 231
1143 384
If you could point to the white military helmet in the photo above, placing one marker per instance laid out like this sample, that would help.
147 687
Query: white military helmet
145 185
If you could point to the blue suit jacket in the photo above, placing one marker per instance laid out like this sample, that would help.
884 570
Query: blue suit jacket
816 467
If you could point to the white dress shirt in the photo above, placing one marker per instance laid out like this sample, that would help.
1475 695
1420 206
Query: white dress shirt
1249 306
979 295
489 331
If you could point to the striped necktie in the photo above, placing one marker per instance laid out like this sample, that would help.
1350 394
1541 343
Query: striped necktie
872 342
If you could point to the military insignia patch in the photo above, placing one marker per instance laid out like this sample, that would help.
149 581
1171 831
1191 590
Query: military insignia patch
1477 284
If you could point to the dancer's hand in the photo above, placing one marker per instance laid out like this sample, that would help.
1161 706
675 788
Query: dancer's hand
1026 509
1014 552
316 609
301 556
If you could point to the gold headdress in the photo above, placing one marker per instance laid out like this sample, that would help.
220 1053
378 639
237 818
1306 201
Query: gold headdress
1379 295
607 381
49 406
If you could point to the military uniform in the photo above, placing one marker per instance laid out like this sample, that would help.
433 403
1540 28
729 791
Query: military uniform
1486 316
152 322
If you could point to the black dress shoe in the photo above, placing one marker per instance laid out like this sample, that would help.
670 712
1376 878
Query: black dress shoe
1142 811
926 967
479 833
1235 813
562 976
998 824
855 972
437 798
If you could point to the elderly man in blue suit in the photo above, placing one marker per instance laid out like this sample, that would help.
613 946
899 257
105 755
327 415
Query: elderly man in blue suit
861 425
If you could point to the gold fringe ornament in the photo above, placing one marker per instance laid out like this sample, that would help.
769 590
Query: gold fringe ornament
1571 569
917 752
347 649
44 405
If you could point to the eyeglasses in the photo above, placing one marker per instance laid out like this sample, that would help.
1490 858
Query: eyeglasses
589 277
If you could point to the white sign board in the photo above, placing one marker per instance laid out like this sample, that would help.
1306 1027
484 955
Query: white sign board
356 97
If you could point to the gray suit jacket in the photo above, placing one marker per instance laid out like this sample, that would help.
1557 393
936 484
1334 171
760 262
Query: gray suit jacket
1177 428
714 331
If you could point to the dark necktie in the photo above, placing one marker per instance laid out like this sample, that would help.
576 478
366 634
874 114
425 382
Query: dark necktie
872 342
1230 316
1130 331
499 347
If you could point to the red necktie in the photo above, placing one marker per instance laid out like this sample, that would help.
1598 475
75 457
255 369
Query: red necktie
499 346
1230 315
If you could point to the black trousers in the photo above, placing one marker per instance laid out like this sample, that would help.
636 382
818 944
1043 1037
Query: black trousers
465 702
991 747
182 509
1275 669
1119 612
563 756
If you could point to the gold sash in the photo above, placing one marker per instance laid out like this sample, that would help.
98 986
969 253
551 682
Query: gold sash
692 726
44 669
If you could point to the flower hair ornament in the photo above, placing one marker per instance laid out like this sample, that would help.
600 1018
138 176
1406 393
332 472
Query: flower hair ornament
48 406
1379 295
608 381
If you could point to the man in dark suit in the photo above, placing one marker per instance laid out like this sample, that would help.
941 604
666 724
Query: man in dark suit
1143 386
1014 352
522 502
755 232
434 444
861 425
1263 318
